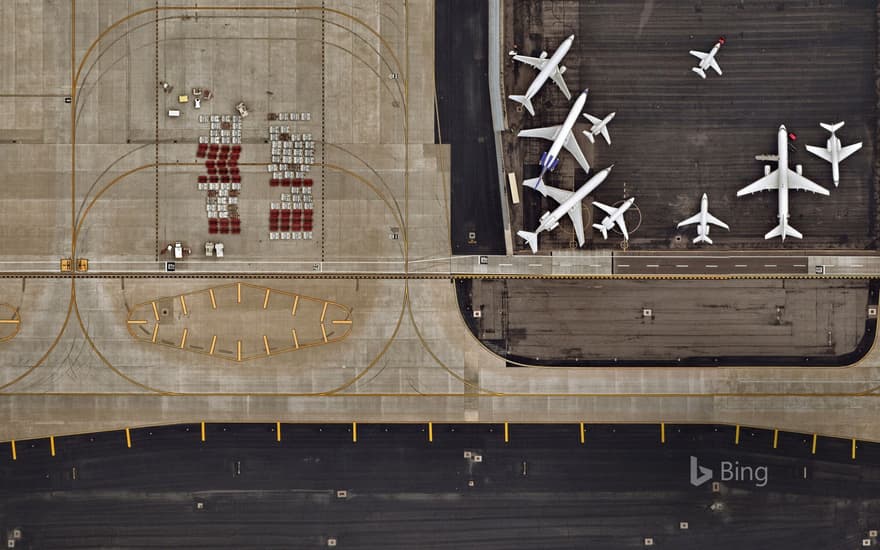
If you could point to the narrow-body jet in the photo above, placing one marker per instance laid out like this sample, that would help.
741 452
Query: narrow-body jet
833 152
547 68
599 126
707 59
615 216
703 218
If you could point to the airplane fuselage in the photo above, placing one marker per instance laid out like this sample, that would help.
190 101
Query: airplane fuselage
550 220
705 62
833 146
609 221
703 227
551 65
597 128
782 153
550 159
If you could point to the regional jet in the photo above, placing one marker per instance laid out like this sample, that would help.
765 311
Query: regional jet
704 218
547 68
708 59
561 136
833 152
782 179
599 126
569 203
615 215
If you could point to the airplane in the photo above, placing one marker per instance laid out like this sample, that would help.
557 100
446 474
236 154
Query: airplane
615 215
833 152
561 136
547 68
708 59
599 126
783 179
704 218
569 203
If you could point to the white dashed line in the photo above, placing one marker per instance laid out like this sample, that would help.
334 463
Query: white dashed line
622 265
653 265
741 265
681 265
505 265
769 265
858 265
799 265
534 265
711 265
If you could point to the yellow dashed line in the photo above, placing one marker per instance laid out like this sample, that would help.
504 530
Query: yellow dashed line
266 299
853 454
295 303
324 312
238 292
342 322
278 432
14 454
238 353
354 432
213 300
583 438
775 438
506 433
183 305
324 332
127 438
736 437
137 321
52 445
266 344
295 339
430 432
203 431
813 449
155 311
213 345
9 321
155 332
662 432
183 338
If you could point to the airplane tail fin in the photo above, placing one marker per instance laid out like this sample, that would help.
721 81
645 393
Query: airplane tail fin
589 136
700 72
784 231
531 238
601 228
537 184
526 102
832 127
703 239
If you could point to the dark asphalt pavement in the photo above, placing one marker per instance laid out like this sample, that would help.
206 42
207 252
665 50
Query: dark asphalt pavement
542 490
461 67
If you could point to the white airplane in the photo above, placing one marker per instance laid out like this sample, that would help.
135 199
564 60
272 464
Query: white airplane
561 136
704 218
547 68
782 179
708 59
569 203
599 126
833 152
615 215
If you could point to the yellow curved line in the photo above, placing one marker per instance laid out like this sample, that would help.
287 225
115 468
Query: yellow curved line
16 316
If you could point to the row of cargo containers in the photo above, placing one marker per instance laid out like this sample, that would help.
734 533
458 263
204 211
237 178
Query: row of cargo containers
296 235
292 182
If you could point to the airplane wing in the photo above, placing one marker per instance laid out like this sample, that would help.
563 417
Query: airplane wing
557 78
607 209
557 194
712 219
546 133
536 62
700 55
606 135
592 119
799 183
622 225
820 152
572 145
849 149
693 219
578 221
767 183
714 65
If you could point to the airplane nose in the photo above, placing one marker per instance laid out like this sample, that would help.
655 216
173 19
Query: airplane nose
705 196
571 37
782 127
609 168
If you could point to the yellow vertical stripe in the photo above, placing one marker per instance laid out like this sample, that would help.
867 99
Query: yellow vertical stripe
583 436
430 432
155 311
213 345
354 432
278 431
813 450
736 437
203 431
853 454
238 292
183 338
506 433
662 432
14 454
127 438
775 438
52 445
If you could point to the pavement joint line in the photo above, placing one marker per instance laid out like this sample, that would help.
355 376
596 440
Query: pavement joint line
156 147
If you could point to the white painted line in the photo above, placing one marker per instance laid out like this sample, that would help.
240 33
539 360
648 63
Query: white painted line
858 265
769 265
711 265
595 265
622 265
534 265
653 265
799 265
681 265
505 265
741 265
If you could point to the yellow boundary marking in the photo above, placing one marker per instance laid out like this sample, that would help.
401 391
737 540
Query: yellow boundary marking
813 449
736 437
324 312
295 303
14 454
430 432
238 352
52 445
662 432
183 338
266 299
266 344
203 431
213 300
775 438
583 436
11 321
278 432
128 438
137 321
155 311
506 433
354 432
155 333
238 292
183 305
213 345
342 322
295 339
324 332
853 454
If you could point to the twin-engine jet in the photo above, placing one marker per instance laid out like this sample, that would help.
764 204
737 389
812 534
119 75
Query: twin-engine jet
782 179
708 59
569 203
615 216
599 126
561 136
547 68
833 152
703 218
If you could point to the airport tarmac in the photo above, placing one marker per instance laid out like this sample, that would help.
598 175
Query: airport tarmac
240 487
676 136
